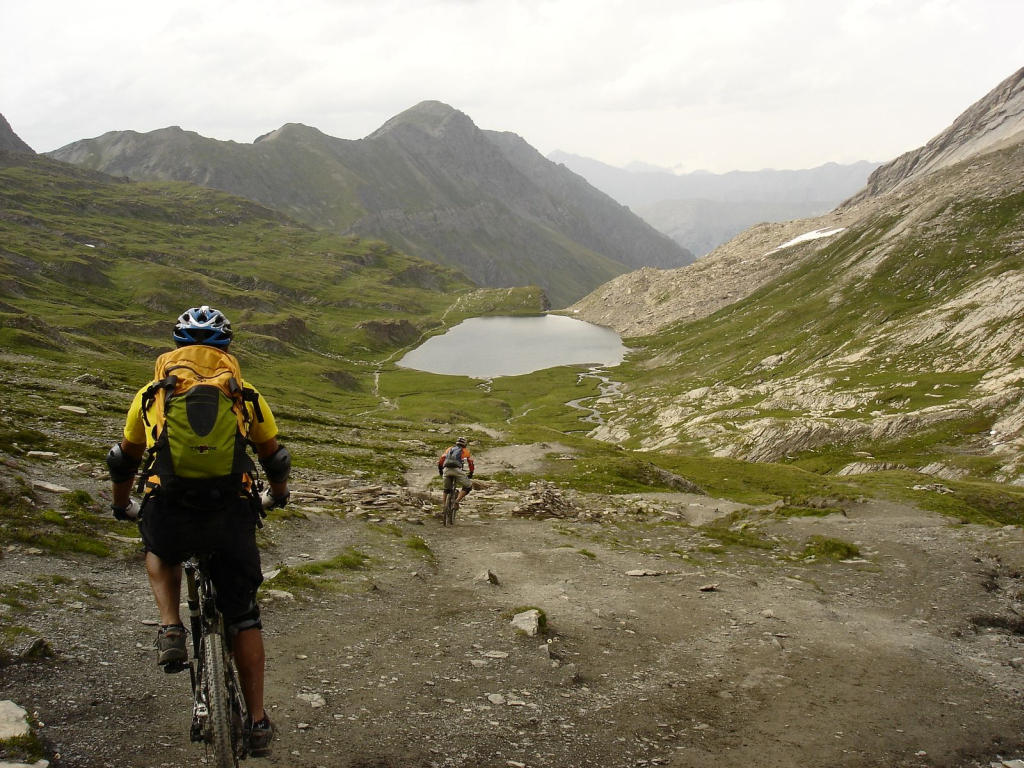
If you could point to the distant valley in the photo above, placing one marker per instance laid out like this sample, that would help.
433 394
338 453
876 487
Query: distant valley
702 210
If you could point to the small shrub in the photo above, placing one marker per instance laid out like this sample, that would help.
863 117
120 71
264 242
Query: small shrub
830 549
286 513
743 537
349 560
65 542
795 511
19 596
303 577
417 544
26 439
293 580
587 553
25 749
78 501
389 528
53 517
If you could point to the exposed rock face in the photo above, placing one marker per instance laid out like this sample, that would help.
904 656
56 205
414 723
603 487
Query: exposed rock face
648 300
918 279
10 141
995 121
392 332
428 181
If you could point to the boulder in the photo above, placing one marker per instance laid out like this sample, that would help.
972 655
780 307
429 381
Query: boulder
13 721
528 622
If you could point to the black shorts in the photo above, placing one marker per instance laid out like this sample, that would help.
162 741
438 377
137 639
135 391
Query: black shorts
174 533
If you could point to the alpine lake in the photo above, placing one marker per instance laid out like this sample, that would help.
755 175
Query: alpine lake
487 347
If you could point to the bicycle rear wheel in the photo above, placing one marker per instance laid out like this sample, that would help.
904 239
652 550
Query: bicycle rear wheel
224 732
449 507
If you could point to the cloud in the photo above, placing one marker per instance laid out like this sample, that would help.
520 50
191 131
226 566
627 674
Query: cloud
735 84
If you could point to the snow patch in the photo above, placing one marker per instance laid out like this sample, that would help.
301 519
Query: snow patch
812 235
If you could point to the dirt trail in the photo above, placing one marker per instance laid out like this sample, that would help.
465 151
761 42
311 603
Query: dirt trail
906 656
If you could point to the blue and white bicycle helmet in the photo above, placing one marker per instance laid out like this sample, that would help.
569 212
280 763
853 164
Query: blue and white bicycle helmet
202 325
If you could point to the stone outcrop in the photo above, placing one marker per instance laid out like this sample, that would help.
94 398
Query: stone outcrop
995 121
10 141
545 500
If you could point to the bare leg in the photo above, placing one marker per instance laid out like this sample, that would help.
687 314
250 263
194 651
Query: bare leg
251 658
165 581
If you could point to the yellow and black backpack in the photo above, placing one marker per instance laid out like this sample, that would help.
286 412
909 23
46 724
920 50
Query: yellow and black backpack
196 414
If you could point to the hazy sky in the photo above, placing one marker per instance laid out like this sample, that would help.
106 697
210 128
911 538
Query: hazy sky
718 85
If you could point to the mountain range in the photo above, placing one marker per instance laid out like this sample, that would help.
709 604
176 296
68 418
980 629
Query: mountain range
428 181
702 210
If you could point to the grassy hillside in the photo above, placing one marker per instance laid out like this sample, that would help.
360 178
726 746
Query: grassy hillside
95 270
98 268
897 342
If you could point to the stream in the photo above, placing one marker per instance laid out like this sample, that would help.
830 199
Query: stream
606 388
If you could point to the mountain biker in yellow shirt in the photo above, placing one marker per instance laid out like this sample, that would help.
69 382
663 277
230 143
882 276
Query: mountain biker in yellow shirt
175 526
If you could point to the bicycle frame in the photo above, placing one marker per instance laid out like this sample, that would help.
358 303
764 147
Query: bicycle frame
211 648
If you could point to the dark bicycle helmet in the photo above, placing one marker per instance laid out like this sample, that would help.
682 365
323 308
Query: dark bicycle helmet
202 325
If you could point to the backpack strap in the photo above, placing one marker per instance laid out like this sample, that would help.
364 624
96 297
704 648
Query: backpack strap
149 397
241 412
249 396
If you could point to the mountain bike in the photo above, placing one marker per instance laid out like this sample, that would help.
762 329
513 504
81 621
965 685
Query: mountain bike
449 505
219 715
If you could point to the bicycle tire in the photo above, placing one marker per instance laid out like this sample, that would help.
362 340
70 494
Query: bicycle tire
223 737
449 508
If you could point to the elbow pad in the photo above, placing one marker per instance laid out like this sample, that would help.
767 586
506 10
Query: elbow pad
122 466
277 465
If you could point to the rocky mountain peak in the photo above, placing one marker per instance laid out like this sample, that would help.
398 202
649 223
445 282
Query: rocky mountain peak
993 122
434 118
10 141
291 131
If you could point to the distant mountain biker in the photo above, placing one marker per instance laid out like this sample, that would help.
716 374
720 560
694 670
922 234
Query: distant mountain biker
183 515
452 464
